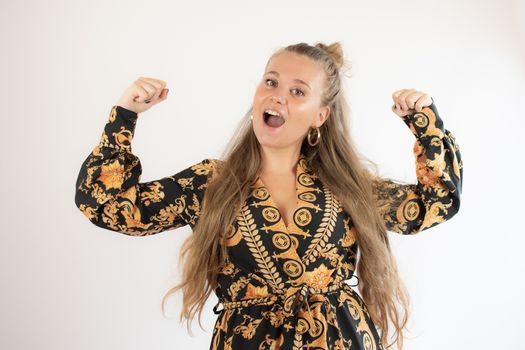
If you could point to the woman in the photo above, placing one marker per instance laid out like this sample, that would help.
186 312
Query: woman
278 222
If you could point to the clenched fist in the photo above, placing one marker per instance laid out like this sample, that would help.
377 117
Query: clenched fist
408 101
143 94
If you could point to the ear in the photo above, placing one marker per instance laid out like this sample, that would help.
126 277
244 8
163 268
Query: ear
322 115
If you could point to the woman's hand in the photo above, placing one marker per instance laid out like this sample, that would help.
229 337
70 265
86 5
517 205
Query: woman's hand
143 94
408 101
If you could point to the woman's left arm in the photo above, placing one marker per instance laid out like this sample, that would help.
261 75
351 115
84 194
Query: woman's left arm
412 208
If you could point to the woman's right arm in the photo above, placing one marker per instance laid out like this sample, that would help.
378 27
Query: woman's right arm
108 191
109 194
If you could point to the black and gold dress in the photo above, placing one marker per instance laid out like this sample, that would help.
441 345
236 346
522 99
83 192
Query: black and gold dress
283 286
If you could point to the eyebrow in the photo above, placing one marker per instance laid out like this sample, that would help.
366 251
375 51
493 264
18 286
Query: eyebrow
296 80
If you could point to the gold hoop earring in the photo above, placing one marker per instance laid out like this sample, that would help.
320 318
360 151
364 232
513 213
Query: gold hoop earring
251 116
317 139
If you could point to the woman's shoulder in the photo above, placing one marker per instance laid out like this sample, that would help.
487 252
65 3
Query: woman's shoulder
207 166
214 163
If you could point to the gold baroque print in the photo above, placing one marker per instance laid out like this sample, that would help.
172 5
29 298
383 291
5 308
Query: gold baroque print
271 214
281 241
421 120
308 197
325 229
411 210
305 180
350 236
123 137
237 286
264 275
248 327
260 193
358 313
232 237
112 175
260 254
154 195
293 268
276 318
302 217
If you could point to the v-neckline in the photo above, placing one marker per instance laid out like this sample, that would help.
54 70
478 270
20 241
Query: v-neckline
298 170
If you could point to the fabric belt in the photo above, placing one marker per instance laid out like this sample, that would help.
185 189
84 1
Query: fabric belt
292 300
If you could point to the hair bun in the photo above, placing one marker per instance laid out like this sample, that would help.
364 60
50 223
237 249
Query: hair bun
335 51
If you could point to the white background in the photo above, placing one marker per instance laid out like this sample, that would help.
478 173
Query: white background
67 284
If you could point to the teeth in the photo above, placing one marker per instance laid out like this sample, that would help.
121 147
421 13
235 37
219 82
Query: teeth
269 111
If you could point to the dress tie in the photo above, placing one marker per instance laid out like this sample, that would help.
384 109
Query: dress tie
291 302
295 302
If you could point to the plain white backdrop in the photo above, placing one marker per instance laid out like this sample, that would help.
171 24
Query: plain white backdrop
67 284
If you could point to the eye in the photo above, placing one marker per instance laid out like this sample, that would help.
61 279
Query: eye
267 80
301 91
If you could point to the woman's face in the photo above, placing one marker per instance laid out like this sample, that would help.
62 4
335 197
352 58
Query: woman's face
291 86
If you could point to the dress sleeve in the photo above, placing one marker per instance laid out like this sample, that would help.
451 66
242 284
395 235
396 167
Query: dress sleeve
109 194
412 208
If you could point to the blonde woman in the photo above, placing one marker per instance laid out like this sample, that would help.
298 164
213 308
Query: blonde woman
288 215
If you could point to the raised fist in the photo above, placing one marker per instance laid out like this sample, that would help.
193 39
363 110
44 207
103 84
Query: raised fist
142 94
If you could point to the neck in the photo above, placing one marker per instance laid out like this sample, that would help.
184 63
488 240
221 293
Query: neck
279 161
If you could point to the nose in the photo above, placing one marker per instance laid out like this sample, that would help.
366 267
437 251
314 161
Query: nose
278 99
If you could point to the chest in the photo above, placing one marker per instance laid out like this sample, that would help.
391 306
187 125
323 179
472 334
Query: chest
315 245
298 219
283 193
281 237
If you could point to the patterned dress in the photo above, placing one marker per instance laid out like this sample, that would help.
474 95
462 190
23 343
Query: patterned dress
283 286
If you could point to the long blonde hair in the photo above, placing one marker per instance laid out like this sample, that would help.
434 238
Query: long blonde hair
340 167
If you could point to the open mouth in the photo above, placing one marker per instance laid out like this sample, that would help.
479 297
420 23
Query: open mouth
273 119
